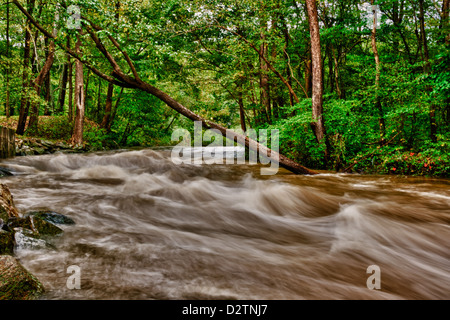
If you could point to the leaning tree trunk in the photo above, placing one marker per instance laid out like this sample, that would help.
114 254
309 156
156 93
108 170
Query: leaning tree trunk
77 136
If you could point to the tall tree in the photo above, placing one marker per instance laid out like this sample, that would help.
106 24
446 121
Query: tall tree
427 69
7 104
77 136
318 125
378 105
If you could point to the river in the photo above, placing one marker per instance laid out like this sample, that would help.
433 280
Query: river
149 229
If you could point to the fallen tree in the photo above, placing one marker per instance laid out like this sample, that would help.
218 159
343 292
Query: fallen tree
120 78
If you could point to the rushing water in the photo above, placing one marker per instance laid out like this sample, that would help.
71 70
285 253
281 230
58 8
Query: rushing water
149 229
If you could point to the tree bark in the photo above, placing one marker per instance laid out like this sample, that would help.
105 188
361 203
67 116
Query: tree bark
317 73
77 136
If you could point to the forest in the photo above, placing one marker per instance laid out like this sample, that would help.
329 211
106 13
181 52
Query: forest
352 86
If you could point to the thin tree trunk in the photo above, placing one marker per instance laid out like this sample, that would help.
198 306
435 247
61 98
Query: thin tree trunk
64 79
427 69
114 111
378 105
317 71
108 106
63 88
77 136
241 108
7 105
24 102
70 80
264 79
99 101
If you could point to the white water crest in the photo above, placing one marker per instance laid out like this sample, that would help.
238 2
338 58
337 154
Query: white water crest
147 228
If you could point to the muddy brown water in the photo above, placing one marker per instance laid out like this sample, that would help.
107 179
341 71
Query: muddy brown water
149 229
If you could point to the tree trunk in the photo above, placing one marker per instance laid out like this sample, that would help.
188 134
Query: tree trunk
70 80
317 87
7 104
445 21
24 102
427 69
108 106
114 111
77 136
378 105
264 80
64 79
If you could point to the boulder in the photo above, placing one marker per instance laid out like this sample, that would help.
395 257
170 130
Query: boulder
51 216
35 224
5 172
16 283
7 207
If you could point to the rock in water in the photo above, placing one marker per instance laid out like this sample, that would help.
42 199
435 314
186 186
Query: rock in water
5 172
27 239
16 283
51 216
7 207
35 224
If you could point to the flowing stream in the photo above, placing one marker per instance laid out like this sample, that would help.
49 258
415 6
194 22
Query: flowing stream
149 229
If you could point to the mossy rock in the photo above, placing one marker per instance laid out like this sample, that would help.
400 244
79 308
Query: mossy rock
6 242
16 283
36 225
52 217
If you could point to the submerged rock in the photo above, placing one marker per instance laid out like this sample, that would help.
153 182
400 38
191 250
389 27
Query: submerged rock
5 172
52 217
16 283
27 239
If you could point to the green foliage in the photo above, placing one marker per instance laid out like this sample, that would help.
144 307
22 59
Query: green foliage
204 54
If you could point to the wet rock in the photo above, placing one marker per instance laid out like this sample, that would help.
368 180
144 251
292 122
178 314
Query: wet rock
6 242
7 207
27 239
35 224
16 283
5 172
52 217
